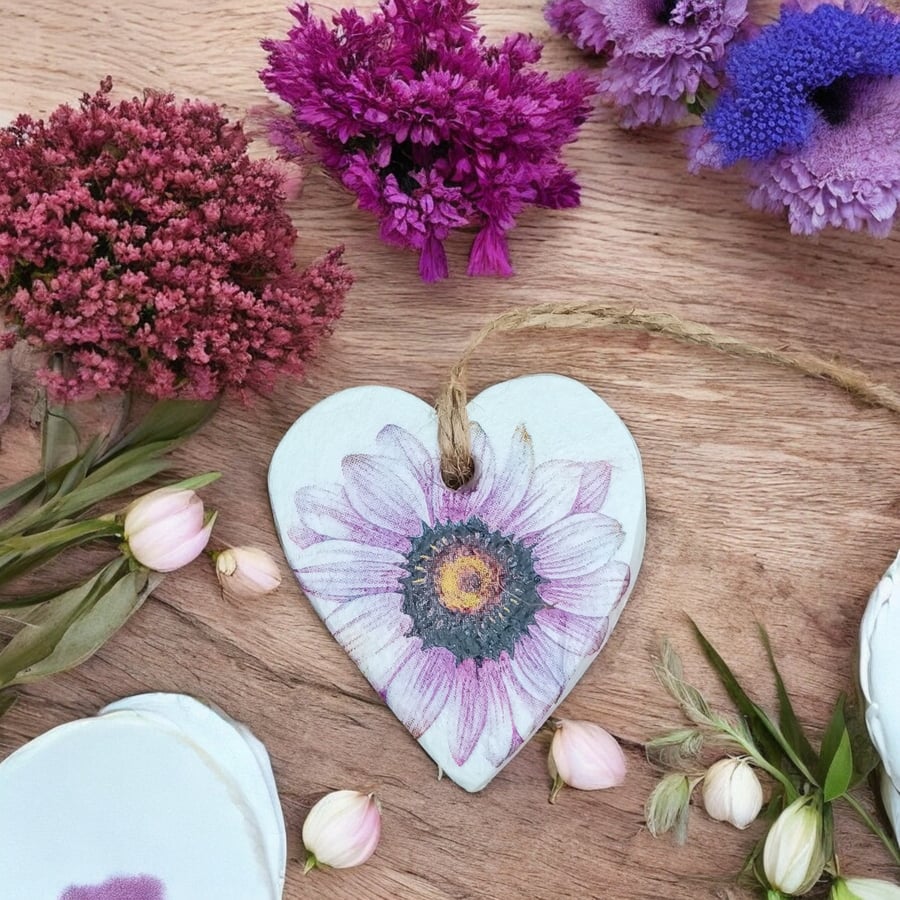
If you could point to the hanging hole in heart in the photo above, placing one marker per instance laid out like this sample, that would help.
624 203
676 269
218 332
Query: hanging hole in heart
458 474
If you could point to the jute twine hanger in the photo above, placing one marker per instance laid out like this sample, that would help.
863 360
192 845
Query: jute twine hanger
454 433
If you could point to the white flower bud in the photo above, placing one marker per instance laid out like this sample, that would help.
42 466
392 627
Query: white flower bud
342 830
732 792
879 674
864 889
167 529
794 853
247 571
584 756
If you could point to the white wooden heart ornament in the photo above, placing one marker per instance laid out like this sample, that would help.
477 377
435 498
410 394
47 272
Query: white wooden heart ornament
472 612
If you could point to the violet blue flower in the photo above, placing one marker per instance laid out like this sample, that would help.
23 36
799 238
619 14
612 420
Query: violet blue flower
432 127
660 54
813 106
468 610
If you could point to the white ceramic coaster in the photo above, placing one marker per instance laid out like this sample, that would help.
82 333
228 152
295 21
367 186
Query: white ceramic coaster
471 612
135 805
879 675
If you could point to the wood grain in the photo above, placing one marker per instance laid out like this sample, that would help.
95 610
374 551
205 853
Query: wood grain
770 497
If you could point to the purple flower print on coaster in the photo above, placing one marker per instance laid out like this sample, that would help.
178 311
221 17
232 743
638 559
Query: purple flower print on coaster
141 887
472 612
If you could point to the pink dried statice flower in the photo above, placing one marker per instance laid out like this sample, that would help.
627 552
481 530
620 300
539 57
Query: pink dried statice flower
141 242
429 125
660 54
812 106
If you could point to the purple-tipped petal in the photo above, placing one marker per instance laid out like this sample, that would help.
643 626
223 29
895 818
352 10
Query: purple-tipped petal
597 593
576 546
389 496
420 687
468 703
342 570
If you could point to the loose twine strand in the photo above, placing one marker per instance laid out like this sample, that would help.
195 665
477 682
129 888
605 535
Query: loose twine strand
454 433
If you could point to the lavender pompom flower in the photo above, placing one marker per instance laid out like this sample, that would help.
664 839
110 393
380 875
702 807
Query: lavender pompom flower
661 54
813 106
432 128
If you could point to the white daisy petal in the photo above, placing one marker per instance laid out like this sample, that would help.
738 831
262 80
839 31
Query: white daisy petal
418 690
342 570
576 546
385 493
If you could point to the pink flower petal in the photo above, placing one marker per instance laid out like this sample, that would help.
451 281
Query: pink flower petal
511 481
342 570
328 513
595 479
595 594
468 703
550 496
499 737
575 634
372 630
418 690
398 444
385 493
576 546
541 667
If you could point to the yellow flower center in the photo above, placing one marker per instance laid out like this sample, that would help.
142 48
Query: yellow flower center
467 582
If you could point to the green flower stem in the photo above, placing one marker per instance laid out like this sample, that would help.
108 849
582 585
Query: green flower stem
762 763
874 827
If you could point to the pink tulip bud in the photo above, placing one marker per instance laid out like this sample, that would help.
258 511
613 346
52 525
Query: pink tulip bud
167 529
342 830
584 756
247 571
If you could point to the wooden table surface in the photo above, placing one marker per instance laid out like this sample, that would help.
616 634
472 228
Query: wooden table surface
771 497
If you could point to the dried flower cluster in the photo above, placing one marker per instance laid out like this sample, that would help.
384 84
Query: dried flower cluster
141 242
809 104
813 105
429 125
660 54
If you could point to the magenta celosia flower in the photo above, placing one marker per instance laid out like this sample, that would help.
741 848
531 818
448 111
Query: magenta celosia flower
661 54
141 242
429 125
813 107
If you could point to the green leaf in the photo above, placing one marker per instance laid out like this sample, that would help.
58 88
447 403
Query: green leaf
196 482
766 735
835 767
93 627
22 490
840 772
88 495
59 439
46 626
832 738
69 629
59 538
787 718
865 756
168 420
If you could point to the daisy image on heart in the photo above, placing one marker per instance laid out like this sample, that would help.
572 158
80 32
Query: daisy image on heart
470 610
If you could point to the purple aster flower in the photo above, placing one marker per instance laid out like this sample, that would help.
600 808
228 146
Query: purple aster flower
813 106
433 128
470 611
661 54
